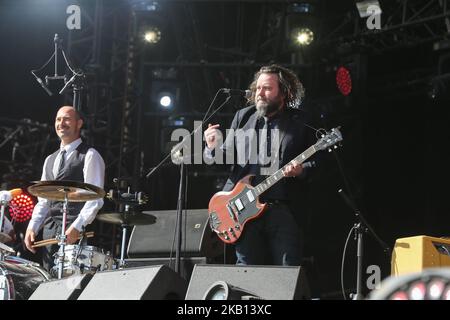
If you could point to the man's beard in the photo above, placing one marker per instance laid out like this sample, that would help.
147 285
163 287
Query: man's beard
267 108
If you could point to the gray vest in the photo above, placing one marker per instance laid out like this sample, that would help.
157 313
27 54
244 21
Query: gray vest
73 170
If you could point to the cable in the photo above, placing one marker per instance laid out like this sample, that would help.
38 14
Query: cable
211 104
343 262
188 136
68 64
32 71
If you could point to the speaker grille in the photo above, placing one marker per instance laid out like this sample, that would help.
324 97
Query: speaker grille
265 282
146 283
157 240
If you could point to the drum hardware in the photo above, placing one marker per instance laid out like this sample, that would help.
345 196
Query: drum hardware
125 219
82 259
5 198
5 251
129 217
19 278
4 237
65 191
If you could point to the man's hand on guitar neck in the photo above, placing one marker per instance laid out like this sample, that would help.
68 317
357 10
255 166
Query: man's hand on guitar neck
211 135
293 169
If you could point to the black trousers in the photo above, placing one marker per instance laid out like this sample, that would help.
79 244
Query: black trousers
274 239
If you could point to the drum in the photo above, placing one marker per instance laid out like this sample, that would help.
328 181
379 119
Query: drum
83 259
19 278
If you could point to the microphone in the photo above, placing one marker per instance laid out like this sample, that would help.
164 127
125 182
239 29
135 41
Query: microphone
8 195
43 85
68 83
237 92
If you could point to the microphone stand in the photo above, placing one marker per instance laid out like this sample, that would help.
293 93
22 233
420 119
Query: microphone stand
181 187
78 86
57 42
179 234
360 227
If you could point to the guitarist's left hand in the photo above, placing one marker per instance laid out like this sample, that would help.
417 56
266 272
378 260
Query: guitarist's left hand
293 169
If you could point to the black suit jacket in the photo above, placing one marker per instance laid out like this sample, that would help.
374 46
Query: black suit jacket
295 138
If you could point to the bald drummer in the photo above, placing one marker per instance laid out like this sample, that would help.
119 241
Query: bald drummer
75 161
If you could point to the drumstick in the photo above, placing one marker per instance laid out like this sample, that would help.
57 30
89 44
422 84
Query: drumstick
47 242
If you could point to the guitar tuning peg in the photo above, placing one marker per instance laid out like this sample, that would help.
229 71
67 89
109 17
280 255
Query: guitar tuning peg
335 147
329 149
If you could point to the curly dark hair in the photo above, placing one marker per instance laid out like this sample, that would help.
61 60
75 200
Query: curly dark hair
291 87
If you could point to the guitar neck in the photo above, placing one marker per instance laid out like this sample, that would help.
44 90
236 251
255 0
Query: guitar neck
278 175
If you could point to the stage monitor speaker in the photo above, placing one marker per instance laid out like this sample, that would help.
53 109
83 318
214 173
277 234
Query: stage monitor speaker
186 264
146 283
253 282
415 254
64 289
157 240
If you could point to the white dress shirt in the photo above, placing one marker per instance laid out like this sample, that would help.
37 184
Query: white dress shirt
93 172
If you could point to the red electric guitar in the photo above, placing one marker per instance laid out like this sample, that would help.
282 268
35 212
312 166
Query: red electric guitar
230 211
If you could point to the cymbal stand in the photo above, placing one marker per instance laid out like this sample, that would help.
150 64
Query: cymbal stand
63 237
2 217
124 226
2 214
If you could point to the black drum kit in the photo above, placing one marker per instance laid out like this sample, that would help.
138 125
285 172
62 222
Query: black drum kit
19 277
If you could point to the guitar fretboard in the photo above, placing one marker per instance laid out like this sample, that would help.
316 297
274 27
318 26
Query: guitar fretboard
278 175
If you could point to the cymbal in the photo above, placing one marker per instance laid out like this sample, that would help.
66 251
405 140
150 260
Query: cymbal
57 189
130 218
4 237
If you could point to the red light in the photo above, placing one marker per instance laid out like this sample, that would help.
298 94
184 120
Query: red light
21 208
344 81
418 291
401 295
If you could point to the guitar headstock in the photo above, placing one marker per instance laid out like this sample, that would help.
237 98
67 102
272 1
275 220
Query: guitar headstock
328 140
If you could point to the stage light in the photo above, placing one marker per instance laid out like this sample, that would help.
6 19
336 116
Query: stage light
21 208
152 35
344 81
303 36
144 5
165 101
431 284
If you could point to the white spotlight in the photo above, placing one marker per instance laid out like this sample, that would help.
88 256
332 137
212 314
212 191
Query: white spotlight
165 101
303 36
152 35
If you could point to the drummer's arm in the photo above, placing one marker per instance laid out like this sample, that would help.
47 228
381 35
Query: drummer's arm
40 213
94 173
41 209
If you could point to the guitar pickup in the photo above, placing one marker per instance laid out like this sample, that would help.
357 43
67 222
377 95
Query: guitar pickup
239 204
250 196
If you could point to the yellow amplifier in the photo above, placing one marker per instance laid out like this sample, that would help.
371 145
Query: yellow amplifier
414 254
